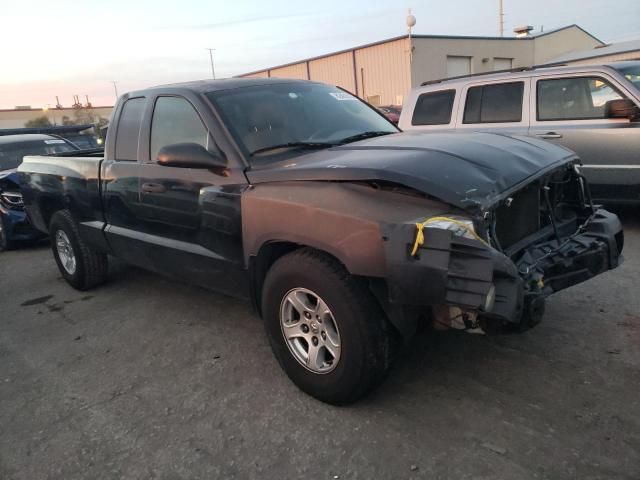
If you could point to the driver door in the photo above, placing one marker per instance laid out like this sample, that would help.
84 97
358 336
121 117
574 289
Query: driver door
182 241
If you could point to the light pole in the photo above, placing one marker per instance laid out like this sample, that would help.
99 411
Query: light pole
213 72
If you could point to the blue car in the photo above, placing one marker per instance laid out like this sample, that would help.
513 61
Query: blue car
14 223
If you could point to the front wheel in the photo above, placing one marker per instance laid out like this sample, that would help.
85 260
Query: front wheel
325 327
80 265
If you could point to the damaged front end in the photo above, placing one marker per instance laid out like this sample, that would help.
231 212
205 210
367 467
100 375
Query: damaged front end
493 270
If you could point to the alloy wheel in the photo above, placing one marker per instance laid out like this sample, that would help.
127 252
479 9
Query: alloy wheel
65 252
310 330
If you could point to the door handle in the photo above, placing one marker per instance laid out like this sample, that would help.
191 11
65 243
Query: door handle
153 188
549 135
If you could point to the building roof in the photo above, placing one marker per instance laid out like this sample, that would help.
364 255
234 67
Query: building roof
379 42
400 37
566 27
611 49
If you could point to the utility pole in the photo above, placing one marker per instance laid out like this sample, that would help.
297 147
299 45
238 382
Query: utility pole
501 18
115 88
213 72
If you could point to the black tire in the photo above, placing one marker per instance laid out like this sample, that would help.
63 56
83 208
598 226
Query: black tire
5 244
365 335
91 266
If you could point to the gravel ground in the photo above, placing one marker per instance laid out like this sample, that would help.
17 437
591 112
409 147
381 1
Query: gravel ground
148 378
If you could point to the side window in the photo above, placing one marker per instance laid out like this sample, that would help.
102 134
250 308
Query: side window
434 108
175 121
495 103
129 129
575 98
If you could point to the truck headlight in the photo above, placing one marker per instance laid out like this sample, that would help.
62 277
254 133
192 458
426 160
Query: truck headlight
12 199
460 226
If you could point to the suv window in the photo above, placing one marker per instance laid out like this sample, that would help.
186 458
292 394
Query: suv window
575 98
129 129
175 121
495 103
434 108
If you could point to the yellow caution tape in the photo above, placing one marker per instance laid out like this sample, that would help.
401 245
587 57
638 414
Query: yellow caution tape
420 231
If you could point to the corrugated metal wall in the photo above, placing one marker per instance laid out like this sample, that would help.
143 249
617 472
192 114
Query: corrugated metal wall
335 70
383 72
384 67
297 70
263 74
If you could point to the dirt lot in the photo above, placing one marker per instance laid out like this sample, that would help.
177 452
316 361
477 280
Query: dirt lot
148 378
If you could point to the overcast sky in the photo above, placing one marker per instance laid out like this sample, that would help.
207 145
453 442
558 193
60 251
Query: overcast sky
67 47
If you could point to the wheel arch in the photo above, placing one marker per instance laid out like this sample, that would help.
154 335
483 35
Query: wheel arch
402 321
48 207
267 255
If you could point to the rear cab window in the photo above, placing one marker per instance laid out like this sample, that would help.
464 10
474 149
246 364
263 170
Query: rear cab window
434 108
128 132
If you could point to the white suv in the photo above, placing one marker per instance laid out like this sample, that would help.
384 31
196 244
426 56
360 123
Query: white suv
591 109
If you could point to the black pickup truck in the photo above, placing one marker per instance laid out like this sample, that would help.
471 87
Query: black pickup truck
344 232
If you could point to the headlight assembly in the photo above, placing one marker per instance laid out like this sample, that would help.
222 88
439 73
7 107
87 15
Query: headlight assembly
12 199
459 226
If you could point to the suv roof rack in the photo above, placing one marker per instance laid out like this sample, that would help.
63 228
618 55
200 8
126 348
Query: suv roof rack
508 70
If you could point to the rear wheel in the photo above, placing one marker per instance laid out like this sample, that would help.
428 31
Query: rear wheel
325 327
80 265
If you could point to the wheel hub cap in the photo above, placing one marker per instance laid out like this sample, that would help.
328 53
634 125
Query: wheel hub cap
310 330
65 252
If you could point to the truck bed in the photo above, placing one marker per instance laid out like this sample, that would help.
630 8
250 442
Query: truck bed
70 180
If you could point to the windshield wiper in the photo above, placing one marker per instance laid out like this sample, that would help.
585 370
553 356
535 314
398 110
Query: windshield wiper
363 135
310 145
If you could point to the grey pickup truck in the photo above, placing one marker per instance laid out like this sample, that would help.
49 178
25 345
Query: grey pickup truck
345 233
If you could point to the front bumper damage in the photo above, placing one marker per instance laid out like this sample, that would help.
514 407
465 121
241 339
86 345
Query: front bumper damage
473 277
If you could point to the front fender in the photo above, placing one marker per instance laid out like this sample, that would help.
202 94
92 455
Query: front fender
273 215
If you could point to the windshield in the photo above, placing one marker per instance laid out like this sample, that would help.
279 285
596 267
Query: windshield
630 72
11 154
295 116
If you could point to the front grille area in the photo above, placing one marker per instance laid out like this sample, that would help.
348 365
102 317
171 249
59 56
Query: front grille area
519 217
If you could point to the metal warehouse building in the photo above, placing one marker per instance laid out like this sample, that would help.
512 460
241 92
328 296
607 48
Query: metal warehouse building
383 72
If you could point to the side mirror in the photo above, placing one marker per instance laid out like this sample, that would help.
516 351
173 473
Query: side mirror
621 108
189 155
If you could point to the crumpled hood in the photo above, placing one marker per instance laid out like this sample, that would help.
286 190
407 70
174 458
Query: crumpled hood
467 170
